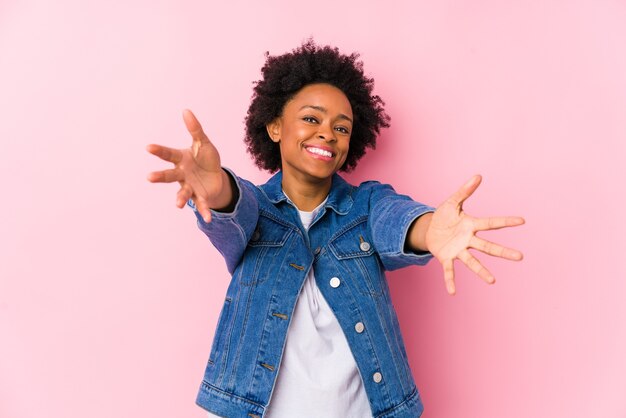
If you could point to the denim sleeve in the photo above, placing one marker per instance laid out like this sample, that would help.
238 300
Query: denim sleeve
230 232
391 215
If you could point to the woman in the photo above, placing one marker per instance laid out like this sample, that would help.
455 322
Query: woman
308 327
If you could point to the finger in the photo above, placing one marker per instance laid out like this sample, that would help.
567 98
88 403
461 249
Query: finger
466 190
203 209
494 249
474 265
183 195
485 224
193 126
168 154
166 176
448 276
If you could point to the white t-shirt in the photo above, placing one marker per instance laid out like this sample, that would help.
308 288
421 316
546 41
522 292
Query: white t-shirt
318 376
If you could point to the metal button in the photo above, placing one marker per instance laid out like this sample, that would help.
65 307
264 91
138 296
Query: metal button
377 377
335 282
359 327
365 246
317 250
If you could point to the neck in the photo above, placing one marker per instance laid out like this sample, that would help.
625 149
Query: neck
306 195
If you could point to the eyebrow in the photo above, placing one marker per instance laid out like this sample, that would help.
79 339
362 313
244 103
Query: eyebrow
323 110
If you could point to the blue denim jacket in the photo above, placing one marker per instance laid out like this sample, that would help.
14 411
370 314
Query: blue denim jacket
357 236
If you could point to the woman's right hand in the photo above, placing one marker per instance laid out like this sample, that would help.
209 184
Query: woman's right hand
197 169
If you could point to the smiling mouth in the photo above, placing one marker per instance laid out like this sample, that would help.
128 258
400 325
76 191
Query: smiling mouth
320 152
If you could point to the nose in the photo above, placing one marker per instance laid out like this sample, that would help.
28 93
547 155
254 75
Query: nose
326 133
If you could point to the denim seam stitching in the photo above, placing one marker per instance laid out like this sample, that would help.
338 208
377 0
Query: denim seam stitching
243 332
229 335
240 398
270 215
400 405
346 228
368 279
397 338
379 308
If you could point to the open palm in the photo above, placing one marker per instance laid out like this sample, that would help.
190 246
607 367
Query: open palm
452 232
197 169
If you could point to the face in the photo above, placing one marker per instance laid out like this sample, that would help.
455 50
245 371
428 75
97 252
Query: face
313 133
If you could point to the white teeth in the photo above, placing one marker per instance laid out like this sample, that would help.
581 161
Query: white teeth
319 151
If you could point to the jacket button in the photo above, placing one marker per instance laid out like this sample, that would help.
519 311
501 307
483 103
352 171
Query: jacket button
317 250
335 282
359 327
377 377
364 246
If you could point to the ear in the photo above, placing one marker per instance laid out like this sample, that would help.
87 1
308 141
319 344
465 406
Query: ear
273 130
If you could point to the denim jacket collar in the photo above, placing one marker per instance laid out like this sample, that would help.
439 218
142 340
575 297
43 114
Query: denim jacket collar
339 198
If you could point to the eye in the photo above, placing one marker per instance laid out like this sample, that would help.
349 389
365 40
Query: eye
342 130
309 119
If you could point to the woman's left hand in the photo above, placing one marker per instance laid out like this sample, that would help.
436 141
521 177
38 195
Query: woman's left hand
452 232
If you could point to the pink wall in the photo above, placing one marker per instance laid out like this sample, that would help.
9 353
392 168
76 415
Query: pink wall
109 294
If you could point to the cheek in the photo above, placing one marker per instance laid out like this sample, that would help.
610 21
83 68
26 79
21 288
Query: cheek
344 154
302 133
345 146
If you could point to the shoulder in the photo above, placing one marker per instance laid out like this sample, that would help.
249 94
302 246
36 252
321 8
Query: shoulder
373 190
242 183
365 187
361 200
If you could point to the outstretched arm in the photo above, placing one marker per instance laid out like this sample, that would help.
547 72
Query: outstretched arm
198 171
449 232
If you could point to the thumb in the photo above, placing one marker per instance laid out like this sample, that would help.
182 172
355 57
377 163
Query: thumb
466 190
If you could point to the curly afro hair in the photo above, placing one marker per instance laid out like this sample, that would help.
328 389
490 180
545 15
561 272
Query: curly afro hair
285 75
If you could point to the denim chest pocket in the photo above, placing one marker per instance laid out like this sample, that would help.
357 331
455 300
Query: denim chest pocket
266 244
353 248
269 233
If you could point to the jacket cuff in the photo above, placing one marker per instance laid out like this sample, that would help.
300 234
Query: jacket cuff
243 218
393 254
222 215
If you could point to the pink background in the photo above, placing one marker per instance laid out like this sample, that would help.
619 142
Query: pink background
109 294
